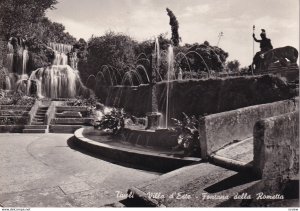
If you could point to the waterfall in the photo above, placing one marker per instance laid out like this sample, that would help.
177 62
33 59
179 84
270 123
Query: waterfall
55 81
8 83
60 51
58 80
73 60
17 56
17 60
10 57
62 48
25 58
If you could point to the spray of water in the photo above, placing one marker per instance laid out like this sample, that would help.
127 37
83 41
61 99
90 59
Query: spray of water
169 75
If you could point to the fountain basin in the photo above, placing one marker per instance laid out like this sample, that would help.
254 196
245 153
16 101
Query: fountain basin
159 139
103 145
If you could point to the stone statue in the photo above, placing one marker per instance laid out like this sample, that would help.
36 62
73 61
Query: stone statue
265 45
280 54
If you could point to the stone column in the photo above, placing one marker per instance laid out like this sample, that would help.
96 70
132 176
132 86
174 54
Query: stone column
153 116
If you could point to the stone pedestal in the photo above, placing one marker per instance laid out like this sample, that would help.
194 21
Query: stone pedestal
153 120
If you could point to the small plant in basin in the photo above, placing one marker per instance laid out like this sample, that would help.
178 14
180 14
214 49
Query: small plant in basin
114 121
188 135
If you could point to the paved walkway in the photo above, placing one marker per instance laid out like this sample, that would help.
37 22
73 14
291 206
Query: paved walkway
200 185
41 170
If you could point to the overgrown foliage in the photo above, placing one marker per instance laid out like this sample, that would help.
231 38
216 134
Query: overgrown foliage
80 101
188 135
15 98
112 49
4 120
114 121
19 16
90 103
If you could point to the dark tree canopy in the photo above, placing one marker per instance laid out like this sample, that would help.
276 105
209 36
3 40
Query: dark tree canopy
203 56
19 15
174 27
113 49
26 19
233 65
39 36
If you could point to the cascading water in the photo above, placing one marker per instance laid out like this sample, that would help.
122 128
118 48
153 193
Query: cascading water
25 58
73 60
10 57
17 60
8 83
60 53
58 80
17 57
62 48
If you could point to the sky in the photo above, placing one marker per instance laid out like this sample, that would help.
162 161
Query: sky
199 21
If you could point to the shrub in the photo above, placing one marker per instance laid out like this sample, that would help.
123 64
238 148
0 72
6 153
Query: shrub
188 135
13 120
16 98
113 121
91 102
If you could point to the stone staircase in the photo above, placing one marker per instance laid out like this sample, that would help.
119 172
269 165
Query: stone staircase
59 119
69 118
37 124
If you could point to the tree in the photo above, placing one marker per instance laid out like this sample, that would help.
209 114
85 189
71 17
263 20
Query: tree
202 57
233 66
38 37
174 27
18 15
81 47
26 19
112 49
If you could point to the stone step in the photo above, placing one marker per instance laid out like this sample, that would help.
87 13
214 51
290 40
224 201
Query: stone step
38 119
41 111
40 116
37 123
34 131
36 127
